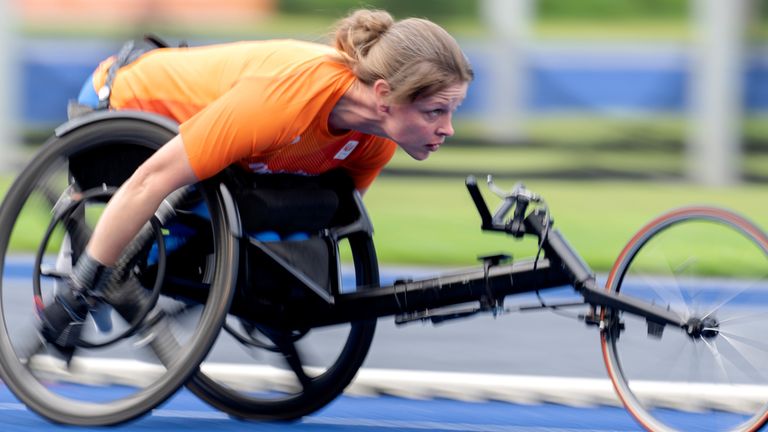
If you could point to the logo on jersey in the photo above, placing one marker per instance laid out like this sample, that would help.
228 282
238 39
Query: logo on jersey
346 150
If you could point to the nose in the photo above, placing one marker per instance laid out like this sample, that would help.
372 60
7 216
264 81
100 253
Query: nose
446 128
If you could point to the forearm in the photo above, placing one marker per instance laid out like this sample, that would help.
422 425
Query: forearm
127 211
138 199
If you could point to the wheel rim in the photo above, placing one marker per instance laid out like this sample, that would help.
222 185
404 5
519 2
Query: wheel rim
710 267
75 395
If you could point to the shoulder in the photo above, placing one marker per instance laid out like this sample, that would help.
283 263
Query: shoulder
322 71
303 80
298 95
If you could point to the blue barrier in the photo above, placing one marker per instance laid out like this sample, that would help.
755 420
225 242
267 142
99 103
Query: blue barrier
566 79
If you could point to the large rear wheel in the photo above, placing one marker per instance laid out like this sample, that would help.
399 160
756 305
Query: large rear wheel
151 350
287 374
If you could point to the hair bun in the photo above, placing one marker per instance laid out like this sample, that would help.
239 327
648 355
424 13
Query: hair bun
357 33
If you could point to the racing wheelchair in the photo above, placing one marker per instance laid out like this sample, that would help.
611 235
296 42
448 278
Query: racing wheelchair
256 262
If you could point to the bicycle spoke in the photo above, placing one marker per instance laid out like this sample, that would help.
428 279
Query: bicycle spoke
726 301
742 363
677 288
658 287
669 363
670 293
751 317
718 359
694 371
760 345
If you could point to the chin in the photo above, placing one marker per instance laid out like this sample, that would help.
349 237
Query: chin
417 153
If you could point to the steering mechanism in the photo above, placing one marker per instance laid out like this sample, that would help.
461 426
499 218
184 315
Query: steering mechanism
517 201
518 192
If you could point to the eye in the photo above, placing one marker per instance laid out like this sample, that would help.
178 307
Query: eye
435 113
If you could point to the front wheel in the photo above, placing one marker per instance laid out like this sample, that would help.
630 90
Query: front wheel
709 266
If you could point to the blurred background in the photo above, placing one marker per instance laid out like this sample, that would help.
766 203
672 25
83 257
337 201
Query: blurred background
615 110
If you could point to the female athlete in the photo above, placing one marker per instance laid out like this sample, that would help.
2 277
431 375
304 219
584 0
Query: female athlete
267 106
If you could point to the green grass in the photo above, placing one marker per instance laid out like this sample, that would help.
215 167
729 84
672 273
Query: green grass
526 160
433 222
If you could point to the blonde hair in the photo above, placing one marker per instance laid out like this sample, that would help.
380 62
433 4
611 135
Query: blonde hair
415 56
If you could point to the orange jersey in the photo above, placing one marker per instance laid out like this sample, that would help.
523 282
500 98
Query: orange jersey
263 105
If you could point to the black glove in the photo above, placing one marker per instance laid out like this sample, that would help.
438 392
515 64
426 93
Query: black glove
62 320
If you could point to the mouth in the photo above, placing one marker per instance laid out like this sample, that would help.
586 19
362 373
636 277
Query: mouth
433 147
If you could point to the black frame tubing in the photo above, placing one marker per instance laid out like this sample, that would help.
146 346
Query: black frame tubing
560 252
562 266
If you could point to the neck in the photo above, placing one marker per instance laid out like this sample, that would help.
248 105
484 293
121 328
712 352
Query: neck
356 110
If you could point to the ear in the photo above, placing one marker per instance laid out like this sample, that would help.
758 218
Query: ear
381 91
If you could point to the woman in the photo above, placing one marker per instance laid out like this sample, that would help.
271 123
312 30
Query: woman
269 106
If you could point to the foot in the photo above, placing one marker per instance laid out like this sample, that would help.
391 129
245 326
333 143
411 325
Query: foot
62 320
102 312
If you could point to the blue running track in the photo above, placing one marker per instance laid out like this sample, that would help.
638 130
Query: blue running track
366 414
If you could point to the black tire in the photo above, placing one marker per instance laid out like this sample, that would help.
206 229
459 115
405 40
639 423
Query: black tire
711 267
292 401
109 148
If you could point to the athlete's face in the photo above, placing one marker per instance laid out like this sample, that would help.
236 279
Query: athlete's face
421 126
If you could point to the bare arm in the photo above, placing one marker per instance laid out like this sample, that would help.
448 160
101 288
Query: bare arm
138 199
